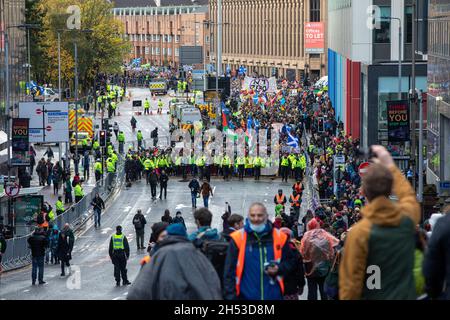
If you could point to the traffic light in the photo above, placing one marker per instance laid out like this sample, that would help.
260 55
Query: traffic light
102 138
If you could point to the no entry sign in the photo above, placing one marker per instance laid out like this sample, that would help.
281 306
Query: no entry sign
12 190
362 169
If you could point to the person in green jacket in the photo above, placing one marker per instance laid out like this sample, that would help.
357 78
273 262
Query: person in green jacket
139 138
59 206
79 193
121 139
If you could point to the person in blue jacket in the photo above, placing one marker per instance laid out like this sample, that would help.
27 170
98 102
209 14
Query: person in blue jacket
267 259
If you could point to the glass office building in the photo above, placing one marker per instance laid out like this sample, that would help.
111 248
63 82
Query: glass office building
438 91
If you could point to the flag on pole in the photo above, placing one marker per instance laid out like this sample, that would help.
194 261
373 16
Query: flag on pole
224 122
292 141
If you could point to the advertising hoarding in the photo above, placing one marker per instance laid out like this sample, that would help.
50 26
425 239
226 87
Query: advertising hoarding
398 120
20 143
314 37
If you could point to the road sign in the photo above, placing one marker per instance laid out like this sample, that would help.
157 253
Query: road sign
444 188
12 190
362 169
49 121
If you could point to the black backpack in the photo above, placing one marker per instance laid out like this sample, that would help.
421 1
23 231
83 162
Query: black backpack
215 251
137 223
40 218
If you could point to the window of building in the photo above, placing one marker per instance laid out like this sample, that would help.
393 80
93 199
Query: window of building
207 39
169 51
314 10
157 50
177 52
166 38
164 51
383 33
157 37
177 38
169 38
408 24
153 50
163 38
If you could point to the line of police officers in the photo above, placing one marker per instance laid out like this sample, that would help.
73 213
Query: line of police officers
138 163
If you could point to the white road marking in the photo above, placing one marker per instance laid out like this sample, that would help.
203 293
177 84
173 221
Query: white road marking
125 293
118 298
127 208
26 290
148 211
181 206
106 230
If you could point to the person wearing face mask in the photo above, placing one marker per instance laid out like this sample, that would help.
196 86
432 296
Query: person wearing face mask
258 258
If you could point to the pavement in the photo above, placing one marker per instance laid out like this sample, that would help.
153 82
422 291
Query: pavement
92 277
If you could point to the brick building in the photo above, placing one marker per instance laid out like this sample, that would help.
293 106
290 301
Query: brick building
157 29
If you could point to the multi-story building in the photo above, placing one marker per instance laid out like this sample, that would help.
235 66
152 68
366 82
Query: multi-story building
158 29
438 91
268 36
11 16
363 59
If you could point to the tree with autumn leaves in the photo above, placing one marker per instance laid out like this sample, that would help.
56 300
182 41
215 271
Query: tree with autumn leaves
99 51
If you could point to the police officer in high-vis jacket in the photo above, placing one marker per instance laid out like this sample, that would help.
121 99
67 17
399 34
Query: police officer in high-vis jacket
119 252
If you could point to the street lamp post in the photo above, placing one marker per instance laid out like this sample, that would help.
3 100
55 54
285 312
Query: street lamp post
76 160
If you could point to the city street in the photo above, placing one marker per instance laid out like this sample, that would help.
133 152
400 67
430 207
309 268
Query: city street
91 262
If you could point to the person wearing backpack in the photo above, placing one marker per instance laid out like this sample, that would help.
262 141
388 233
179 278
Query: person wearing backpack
209 241
139 223
317 249
203 219
295 280
176 271
98 205
194 185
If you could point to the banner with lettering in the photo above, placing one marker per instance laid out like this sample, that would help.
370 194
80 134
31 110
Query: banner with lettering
260 85
398 120
20 142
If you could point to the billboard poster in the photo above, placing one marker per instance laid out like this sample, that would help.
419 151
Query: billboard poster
314 37
49 121
26 207
398 120
20 142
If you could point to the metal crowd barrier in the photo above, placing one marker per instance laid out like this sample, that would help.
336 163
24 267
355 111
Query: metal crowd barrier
18 254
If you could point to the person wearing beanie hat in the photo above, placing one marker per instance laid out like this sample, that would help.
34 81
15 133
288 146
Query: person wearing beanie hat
176 229
179 219
177 271
159 233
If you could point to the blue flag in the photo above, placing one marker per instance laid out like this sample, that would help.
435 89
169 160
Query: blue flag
249 122
292 141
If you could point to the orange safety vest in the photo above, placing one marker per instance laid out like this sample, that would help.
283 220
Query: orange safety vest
240 239
295 201
298 188
45 224
280 199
